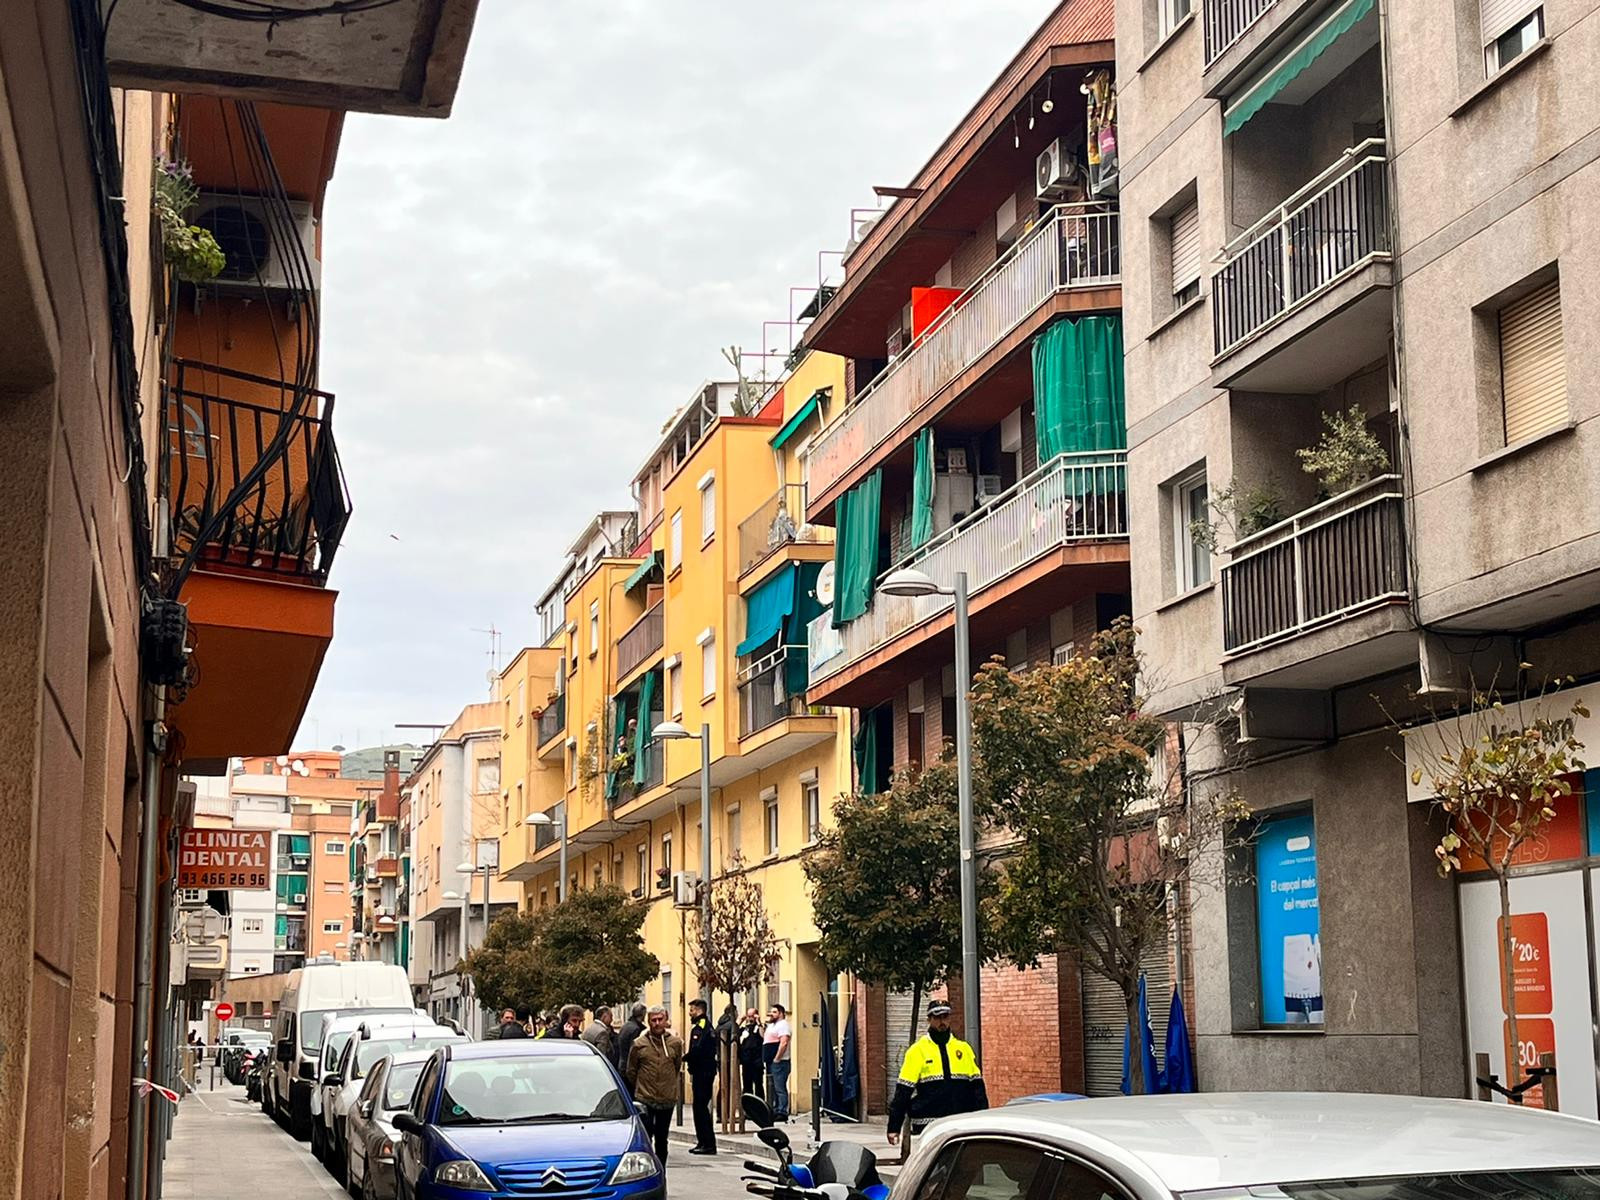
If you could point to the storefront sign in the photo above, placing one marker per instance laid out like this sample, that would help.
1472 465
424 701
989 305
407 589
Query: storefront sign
1560 839
224 859
1530 963
1288 922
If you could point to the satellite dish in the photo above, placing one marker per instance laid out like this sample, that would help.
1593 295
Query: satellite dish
301 769
298 764
283 760
491 675
825 584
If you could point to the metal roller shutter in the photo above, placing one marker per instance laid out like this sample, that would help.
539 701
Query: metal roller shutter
1497 16
1105 1020
1185 246
897 1036
1533 369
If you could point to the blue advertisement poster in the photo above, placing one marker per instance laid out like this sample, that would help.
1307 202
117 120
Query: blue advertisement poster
1287 921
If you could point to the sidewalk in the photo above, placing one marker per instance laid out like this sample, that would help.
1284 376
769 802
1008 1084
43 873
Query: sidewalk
873 1134
224 1148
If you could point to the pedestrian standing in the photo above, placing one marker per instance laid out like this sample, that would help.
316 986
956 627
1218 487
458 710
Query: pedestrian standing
655 1062
939 1077
702 1060
601 1035
750 1065
571 1027
629 1033
775 1047
510 1027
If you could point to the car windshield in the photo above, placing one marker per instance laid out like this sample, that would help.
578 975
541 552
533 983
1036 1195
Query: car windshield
336 1044
1578 1184
402 1082
368 1053
545 1088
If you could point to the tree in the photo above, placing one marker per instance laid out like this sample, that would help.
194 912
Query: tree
586 950
1496 766
885 884
1066 762
742 946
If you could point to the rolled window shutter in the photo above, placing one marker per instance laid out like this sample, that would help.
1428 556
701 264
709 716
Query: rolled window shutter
1533 369
1185 246
1497 16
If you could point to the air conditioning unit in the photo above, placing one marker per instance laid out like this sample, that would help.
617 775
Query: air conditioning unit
254 233
299 898
685 889
989 486
1056 171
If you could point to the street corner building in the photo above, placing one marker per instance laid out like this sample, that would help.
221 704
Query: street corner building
172 506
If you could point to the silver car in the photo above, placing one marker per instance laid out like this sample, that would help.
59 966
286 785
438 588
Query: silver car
361 1053
1267 1146
370 1137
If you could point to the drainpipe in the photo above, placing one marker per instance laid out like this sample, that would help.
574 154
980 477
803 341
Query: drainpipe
144 1062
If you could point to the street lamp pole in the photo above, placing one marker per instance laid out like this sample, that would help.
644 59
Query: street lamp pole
674 731
561 884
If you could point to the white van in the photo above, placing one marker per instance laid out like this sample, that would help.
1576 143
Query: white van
311 993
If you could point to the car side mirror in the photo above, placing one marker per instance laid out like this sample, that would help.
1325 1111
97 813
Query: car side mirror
331 1079
406 1122
308 1070
365 1109
285 1051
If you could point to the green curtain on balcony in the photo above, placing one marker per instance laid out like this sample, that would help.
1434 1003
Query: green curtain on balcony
922 490
872 771
641 732
855 548
621 710
767 609
797 627
1077 387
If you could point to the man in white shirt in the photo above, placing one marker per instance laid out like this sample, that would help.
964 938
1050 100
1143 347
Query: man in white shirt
775 1053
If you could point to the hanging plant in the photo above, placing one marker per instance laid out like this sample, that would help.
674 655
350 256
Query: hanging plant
1346 455
191 251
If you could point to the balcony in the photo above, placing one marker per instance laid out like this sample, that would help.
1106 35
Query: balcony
387 867
1226 21
779 522
1077 247
654 771
765 697
1320 570
1070 514
635 647
553 720
1300 300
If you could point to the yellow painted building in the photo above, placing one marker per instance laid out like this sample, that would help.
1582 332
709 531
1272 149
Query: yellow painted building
700 620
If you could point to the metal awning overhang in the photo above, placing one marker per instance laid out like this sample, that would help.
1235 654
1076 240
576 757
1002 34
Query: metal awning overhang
801 415
642 572
1308 64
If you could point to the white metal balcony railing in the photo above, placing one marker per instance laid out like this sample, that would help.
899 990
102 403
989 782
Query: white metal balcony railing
764 695
1331 561
1073 498
1328 229
1078 246
1228 20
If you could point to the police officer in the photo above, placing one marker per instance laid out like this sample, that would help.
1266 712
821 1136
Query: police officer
939 1078
702 1060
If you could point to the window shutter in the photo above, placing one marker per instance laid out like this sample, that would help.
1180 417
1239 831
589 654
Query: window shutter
1497 16
1185 246
1533 370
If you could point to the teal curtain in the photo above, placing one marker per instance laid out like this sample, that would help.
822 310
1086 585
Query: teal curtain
922 490
1077 387
641 733
855 548
872 771
620 709
797 627
767 608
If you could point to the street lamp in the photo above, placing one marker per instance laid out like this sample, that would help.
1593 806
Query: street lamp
908 581
674 731
559 828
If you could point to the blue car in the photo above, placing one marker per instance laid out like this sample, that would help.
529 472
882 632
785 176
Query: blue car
525 1117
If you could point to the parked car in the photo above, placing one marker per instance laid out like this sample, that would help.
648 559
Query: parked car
339 1028
1290 1146
370 1135
509 1118
365 1049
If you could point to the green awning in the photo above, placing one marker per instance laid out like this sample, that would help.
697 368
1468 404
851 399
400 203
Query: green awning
1260 93
801 415
642 572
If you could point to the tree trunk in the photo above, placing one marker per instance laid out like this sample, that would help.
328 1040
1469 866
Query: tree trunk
1137 1083
1509 967
916 1005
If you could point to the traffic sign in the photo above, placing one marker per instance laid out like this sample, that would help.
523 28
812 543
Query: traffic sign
224 1011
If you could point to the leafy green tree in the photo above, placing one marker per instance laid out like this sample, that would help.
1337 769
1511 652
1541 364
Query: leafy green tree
587 950
885 884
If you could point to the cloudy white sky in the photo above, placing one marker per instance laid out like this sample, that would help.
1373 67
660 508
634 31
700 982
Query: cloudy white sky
515 299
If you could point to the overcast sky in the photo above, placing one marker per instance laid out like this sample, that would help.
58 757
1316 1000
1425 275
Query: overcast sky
517 298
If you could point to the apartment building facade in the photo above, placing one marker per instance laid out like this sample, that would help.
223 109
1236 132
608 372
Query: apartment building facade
1377 211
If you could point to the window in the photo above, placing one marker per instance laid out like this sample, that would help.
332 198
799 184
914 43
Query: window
1185 242
675 685
333 927
594 628
333 887
769 800
735 832
572 650
666 860
983 1169
1172 13
251 925
1533 369
642 854
708 507
333 846
1191 560
1288 922
521 811
666 988
253 967
572 764
811 792
675 542
708 664
1510 29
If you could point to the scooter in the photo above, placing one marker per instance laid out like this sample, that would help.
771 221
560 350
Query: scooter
253 1069
837 1171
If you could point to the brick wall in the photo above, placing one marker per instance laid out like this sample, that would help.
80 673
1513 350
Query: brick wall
1032 1029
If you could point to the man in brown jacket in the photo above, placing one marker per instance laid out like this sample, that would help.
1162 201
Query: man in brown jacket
655 1062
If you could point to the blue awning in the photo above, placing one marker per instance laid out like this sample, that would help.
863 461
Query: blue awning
766 607
801 416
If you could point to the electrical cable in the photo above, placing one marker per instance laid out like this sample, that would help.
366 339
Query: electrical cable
266 13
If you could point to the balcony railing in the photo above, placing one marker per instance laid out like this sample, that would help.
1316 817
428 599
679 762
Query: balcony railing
1078 246
553 720
1073 498
1324 232
251 473
764 695
654 772
1331 561
640 642
1227 21
387 867
778 522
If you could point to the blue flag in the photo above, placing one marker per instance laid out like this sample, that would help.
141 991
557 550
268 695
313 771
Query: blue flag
1147 1051
1178 1075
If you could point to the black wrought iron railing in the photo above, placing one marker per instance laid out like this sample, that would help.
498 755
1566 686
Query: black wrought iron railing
553 720
251 473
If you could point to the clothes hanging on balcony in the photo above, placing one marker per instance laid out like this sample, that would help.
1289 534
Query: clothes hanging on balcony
855 548
766 608
1256 95
1078 404
642 731
922 489
621 706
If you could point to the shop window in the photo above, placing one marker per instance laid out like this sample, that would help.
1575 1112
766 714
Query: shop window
1288 921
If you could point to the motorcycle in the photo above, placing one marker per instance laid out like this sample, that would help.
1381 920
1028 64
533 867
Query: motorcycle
254 1069
837 1171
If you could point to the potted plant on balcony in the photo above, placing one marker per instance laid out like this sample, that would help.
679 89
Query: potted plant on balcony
190 250
1245 509
1347 454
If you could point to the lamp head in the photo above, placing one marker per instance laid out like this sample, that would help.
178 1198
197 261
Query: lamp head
450 895
537 819
908 581
466 867
671 731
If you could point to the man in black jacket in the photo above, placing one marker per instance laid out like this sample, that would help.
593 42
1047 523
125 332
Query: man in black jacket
701 1059
510 1026
629 1033
751 1067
